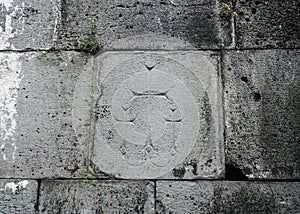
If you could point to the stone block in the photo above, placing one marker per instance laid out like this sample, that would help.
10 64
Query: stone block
268 24
28 24
18 196
184 197
44 130
158 115
262 99
257 197
151 24
227 197
90 196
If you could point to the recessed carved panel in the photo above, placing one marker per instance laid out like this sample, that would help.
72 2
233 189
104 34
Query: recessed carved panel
148 116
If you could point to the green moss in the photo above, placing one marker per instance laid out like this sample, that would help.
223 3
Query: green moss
228 9
90 42
87 175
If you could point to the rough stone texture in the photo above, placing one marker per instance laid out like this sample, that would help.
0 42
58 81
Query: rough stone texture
28 24
141 24
227 197
184 197
97 197
158 115
18 196
44 129
262 99
255 197
268 24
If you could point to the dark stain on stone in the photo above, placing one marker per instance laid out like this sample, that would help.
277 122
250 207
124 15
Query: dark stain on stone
64 13
268 24
194 164
208 162
3 13
160 207
208 112
258 201
140 207
179 172
102 111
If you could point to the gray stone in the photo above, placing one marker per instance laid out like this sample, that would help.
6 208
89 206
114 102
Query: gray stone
151 24
18 196
44 129
268 24
256 197
158 115
71 196
28 24
227 197
184 197
262 99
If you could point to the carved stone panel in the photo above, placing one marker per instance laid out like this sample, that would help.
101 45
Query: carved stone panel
156 115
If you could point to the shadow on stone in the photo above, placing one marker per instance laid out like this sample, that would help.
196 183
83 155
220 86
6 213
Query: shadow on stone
234 174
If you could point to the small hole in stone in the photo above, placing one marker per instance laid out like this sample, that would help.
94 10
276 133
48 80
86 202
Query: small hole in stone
247 19
244 79
253 10
257 2
257 96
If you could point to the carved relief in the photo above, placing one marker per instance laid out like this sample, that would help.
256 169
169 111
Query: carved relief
147 117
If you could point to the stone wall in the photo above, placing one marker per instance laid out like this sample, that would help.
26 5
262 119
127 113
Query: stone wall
149 106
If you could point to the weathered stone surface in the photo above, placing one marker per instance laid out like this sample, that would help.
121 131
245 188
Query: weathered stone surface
28 24
144 24
116 24
97 197
262 99
256 197
227 197
268 24
18 196
44 114
158 115
184 197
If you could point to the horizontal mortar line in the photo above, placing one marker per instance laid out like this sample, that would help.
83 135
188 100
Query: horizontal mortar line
259 49
169 50
146 50
108 50
28 50
156 180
